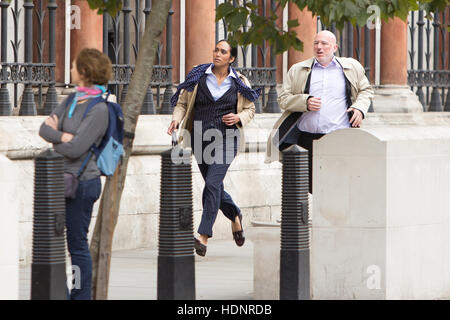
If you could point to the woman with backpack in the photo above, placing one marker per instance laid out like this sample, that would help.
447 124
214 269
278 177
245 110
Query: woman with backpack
214 103
73 133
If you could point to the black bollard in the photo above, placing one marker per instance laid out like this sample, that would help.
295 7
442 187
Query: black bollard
294 254
48 270
176 261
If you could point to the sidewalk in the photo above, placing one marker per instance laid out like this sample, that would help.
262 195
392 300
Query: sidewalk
225 273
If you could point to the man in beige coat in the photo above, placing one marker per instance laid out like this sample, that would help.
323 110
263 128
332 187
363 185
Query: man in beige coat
320 95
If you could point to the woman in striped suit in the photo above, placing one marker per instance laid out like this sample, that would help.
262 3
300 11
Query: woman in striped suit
213 104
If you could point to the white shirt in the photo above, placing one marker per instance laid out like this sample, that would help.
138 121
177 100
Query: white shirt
328 83
217 90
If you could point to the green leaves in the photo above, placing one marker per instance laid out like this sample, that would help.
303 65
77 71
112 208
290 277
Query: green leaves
113 7
292 24
238 19
260 28
435 5
224 10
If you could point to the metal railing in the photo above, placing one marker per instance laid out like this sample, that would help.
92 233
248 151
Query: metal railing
27 73
117 45
27 78
429 54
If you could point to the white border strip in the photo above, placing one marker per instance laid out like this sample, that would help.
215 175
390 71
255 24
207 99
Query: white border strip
285 54
377 51
67 45
182 40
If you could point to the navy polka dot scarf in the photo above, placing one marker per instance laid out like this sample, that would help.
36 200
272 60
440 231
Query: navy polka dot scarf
197 72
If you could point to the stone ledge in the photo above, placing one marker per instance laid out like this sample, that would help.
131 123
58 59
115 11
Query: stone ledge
407 119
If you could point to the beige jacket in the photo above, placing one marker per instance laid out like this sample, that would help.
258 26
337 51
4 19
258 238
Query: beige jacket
184 108
292 98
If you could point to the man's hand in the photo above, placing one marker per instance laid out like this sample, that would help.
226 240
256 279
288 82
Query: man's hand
173 127
313 104
230 119
66 137
356 119
52 122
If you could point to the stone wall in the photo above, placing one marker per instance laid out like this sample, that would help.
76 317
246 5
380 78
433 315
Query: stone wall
9 236
254 185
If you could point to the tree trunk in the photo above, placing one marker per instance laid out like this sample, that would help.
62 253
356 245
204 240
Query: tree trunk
102 237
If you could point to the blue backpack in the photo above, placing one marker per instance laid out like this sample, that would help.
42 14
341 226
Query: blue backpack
110 150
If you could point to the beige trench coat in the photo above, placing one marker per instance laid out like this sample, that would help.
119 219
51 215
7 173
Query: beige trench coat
183 113
292 97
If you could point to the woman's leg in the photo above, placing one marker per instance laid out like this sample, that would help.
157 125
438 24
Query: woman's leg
228 207
212 195
78 218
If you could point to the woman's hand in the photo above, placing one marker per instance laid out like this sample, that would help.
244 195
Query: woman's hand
52 122
173 127
231 119
66 137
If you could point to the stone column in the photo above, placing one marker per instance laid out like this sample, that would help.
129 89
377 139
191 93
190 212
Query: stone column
306 32
60 38
87 29
9 229
393 94
200 36
393 52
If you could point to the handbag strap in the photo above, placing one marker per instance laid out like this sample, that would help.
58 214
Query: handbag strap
84 164
86 160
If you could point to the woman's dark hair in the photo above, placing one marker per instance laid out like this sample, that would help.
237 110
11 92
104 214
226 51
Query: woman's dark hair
94 66
233 50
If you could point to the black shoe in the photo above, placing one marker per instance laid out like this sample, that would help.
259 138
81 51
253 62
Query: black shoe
238 236
200 248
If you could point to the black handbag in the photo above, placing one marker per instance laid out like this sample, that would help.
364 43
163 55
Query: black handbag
70 185
71 180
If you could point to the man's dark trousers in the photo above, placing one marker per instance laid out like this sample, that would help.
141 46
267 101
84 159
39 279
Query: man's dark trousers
305 140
